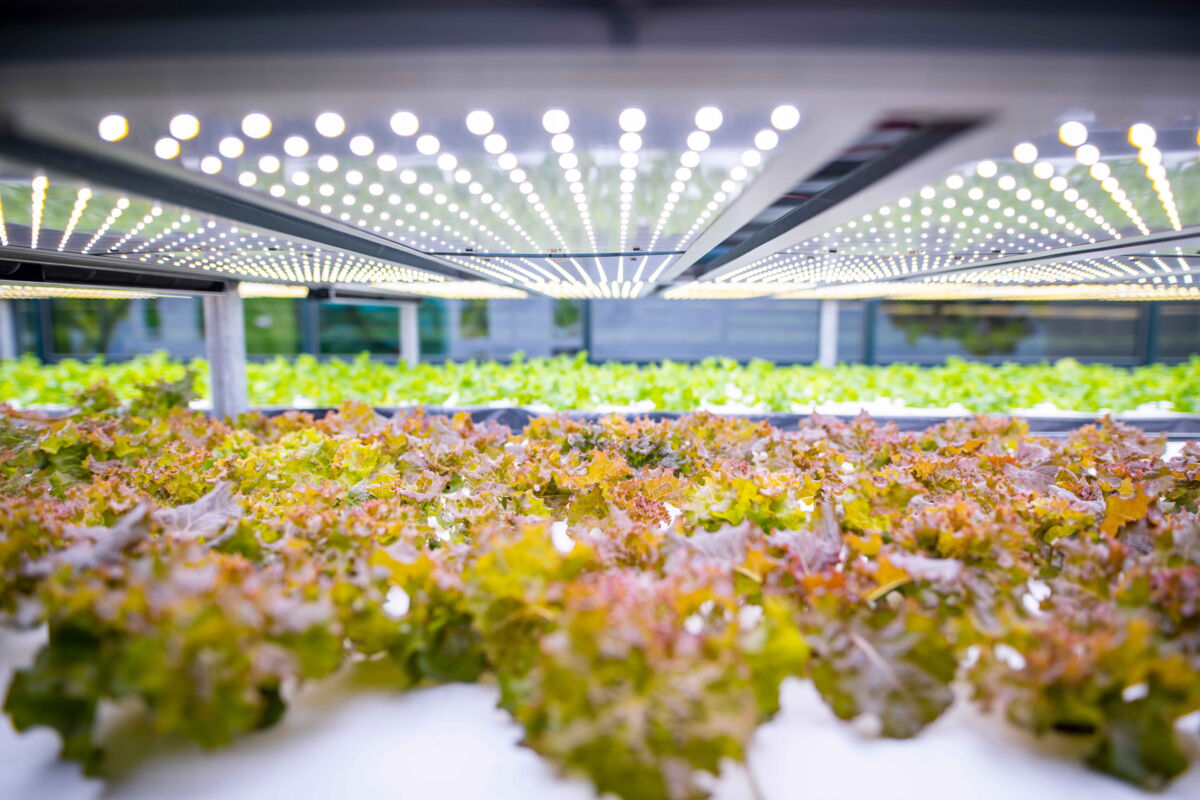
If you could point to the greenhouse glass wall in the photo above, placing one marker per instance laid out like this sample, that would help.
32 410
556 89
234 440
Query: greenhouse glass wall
869 332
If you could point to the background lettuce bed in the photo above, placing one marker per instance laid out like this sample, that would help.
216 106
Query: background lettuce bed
570 383
636 590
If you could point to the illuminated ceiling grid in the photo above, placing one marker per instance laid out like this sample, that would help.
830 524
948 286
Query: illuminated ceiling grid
597 202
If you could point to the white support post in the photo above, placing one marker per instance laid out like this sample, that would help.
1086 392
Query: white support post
410 335
8 331
225 342
827 334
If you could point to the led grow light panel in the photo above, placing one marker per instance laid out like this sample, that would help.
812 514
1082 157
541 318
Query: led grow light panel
904 290
279 290
1084 184
1166 267
816 269
503 192
457 290
23 291
579 275
51 213
1164 275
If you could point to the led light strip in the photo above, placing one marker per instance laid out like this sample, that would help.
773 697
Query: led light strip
942 291
81 201
113 215
271 290
22 292
37 204
631 121
557 123
461 290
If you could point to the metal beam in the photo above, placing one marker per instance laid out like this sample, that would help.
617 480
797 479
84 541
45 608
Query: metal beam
352 293
111 167
117 273
84 274
225 343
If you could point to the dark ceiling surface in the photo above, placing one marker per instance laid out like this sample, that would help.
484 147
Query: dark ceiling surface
64 29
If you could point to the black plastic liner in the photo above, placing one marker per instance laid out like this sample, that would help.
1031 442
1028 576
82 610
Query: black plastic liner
1184 427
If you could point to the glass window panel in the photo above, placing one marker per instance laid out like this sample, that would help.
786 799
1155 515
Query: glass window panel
352 328
654 328
931 331
473 319
1178 331
272 326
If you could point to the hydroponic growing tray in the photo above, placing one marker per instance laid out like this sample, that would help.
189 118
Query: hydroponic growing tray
1176 427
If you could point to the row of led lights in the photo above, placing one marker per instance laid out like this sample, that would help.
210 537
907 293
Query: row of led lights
951 205
1028 283
934 291
631 120
1083 269
1141 136
310 267
1089 269
464 290
1092 268
808 267
1105 268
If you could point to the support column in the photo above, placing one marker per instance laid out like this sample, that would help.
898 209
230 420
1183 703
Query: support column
225 342
410 334
827 334
8 330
